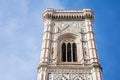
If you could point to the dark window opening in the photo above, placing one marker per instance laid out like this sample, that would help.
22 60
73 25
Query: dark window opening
74 52
69 52
64 52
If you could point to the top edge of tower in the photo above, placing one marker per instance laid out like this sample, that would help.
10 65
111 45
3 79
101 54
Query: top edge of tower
58 14
61 10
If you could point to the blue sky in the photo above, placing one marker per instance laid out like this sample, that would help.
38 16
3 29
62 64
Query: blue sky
21 31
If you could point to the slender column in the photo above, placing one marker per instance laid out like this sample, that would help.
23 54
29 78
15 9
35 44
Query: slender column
55 46
42 73
99 74
60 51
46 46
91 42
66 52
96 74
80 52
71 52
55 52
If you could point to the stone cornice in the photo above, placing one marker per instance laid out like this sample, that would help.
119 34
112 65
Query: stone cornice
53 14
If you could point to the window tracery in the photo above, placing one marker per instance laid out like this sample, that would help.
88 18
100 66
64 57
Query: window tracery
69 51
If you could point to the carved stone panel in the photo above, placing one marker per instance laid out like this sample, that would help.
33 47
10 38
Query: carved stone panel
61 26
70 76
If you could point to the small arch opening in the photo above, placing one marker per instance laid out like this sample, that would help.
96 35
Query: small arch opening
64 52
74 52
69 52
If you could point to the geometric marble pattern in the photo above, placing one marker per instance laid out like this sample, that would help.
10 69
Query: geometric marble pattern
69 76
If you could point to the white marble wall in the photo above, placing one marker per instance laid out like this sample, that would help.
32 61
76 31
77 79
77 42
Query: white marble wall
74 27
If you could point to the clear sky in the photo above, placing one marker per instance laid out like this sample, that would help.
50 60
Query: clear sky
21 31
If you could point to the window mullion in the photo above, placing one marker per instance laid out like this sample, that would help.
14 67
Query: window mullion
72 52
66 52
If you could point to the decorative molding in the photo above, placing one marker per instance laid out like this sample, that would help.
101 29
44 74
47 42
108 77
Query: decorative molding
68 14
68 74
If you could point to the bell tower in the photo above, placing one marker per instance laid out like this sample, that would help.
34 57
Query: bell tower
69 49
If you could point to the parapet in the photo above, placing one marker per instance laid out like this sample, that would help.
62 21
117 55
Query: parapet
56 14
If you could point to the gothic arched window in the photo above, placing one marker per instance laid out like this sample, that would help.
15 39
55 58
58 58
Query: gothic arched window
69 52
74 52
64 52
